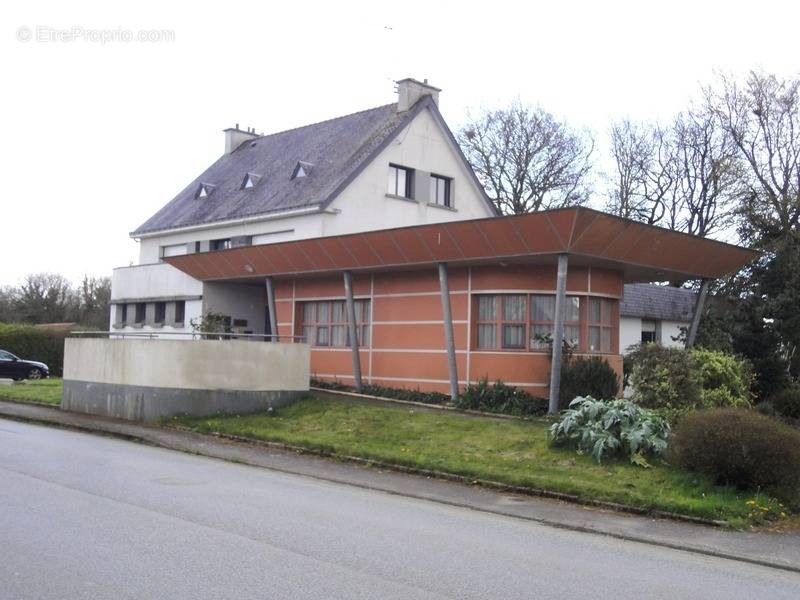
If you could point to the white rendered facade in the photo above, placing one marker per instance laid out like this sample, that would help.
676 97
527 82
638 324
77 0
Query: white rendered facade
422 145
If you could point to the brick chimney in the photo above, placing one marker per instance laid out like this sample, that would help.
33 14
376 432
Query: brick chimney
235 136
410 90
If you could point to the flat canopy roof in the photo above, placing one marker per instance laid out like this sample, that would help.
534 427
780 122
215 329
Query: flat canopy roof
591 238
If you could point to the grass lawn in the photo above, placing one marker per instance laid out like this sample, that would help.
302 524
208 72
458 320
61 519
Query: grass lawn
511 452
47 391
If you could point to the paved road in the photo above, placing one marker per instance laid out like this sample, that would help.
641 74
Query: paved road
83 516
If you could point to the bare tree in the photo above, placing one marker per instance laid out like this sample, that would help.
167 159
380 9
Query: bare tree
642 182
680 177
762 118
527 160
707 178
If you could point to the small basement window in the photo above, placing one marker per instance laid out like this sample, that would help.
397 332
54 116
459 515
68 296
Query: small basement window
401 180
440 191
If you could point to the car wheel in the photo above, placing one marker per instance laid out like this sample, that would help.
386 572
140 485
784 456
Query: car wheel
34 374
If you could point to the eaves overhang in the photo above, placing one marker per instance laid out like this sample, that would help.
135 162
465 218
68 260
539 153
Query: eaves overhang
590 238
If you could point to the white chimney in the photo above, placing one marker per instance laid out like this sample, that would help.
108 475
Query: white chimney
235 136
410 90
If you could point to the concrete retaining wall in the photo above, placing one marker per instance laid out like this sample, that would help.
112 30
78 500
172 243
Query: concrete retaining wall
144 380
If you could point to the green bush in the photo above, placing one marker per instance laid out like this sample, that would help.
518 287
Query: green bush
665 378
677 380
604 428
500 398
741 448
787 402
34 343
725 379
587 377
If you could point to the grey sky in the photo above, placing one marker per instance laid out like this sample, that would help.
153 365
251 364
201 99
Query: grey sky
100 134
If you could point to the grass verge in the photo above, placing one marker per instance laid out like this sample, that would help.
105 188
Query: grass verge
511 452
45 391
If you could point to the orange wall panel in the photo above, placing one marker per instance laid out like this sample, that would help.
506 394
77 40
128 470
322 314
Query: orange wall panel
330 287
526 277
283 312
412 282
337 362
414 366
512 367
418 308
417 336
605 281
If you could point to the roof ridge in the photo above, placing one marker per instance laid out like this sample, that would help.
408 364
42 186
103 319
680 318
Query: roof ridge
352 114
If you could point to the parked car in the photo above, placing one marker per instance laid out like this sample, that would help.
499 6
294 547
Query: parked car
13 367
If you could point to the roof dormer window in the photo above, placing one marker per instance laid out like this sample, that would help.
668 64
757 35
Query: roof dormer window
250 180
203 191
302 169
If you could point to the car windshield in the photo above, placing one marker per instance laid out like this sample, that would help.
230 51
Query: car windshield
6 355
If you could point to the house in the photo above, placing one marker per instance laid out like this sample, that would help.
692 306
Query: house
655 313
370 238
393 165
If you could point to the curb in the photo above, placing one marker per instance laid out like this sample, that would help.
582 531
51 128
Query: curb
427 473
444 475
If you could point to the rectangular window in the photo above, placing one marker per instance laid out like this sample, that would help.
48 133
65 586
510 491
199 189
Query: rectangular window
543 314
180 312
440 190
648 331
223 244
173 250
141 311
401 181
600 329
123 314
514 323
161 312
520 321
325 323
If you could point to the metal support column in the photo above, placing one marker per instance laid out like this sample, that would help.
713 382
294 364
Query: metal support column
691 336
558 333
273 319
448 331
352 328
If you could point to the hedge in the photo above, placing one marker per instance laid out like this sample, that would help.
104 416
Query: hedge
34 343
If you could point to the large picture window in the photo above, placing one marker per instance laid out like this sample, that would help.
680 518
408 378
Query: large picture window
324 323
525 321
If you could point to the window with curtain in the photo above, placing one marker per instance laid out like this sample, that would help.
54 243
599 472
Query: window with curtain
501 321
324 323
543 314
600 324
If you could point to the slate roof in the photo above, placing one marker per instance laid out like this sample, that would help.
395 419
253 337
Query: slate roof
338 149
650 301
